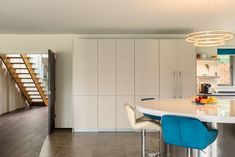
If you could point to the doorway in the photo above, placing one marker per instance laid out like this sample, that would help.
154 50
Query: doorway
27 88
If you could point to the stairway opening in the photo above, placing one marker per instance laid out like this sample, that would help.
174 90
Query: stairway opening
25 82
24 103
30 75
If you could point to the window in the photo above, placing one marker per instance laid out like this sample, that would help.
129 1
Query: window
225 63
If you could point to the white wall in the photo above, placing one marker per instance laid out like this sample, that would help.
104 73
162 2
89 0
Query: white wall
10 95
62 45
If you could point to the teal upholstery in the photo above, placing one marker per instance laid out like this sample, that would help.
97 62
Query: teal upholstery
187 132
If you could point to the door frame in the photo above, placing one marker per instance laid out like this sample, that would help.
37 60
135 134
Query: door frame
51 90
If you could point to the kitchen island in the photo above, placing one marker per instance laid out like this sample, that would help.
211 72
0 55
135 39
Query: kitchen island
220 115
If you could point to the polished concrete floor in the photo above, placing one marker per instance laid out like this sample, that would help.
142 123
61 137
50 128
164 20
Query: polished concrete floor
23 132
63 143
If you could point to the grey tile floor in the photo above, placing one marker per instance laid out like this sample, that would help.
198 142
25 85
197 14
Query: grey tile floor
63 143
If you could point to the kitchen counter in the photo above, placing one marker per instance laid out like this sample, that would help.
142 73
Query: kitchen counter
221 112
220 115
217 94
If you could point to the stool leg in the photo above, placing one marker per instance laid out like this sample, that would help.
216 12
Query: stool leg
189 152
143 142
168 150
160 142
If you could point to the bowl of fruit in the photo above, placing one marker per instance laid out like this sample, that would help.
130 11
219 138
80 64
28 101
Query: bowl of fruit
204 99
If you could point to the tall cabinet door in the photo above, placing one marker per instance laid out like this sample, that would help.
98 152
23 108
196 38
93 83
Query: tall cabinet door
85 67
123 123
125 81
85 85
125 67
187 69
146 67
106 84
168 68
106 67
85 113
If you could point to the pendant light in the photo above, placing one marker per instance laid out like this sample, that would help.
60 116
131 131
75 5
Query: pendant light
209 38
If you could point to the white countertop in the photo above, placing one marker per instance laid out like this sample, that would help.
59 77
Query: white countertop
221 112
218 94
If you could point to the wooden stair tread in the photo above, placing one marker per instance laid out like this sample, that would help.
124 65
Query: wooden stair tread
27 82
23 77
22 68
30 82
16 57
19 63
27 78
16 63
30 90
31 87
23 73
36 90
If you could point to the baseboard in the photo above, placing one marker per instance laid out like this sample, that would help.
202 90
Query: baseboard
125 130
104 130
84 130
109 130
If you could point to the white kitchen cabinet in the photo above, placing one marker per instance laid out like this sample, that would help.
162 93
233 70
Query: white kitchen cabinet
85 67
85 115
123 123
106 67
168 68
186 69
177 69
125 67
108 73
146 67
107 113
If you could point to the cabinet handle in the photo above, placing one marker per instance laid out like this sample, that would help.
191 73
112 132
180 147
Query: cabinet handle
174 81
181 83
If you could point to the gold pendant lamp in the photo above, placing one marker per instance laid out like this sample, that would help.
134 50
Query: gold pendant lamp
209 38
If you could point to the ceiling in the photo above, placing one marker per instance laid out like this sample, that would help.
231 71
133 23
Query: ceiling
114 16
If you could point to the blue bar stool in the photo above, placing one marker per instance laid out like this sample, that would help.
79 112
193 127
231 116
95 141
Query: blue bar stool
187 132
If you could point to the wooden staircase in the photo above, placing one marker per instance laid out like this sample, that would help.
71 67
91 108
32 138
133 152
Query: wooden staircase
26 78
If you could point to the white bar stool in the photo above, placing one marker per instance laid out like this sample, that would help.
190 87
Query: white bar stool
142 124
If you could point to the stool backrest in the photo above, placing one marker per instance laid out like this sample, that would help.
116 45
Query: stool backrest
184 131
131 114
